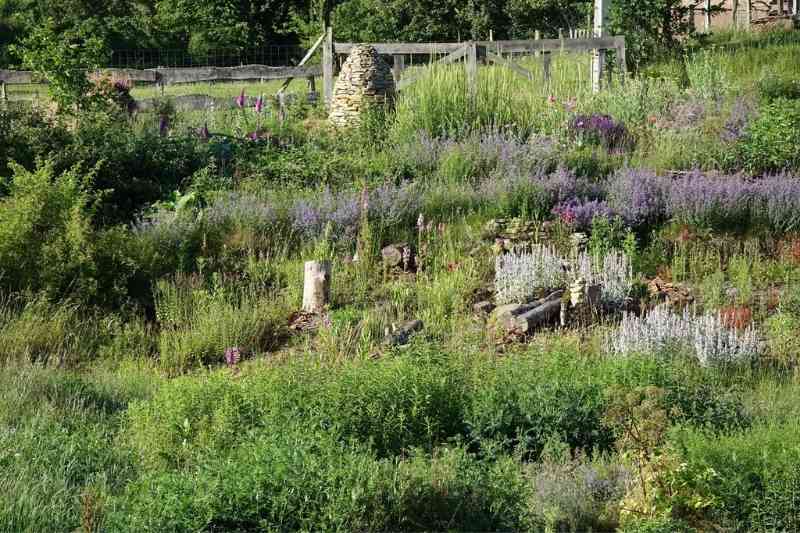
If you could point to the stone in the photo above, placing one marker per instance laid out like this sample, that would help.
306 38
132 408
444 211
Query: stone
365 81
483 308
401 334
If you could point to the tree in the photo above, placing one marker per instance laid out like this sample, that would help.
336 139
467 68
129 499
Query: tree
63 58
654 27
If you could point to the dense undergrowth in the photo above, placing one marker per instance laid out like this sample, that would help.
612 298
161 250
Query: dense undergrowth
148 280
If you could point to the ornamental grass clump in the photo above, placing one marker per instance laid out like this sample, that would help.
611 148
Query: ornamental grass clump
662 332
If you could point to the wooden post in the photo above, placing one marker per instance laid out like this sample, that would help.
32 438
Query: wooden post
471 65
707 16
316 286
735 9
327 66
398 67
623 63
491 35
598 56
748 7
3 95
312 89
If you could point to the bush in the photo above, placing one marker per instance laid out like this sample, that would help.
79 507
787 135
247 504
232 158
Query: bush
39 332
756 475
135 168
304 479
774 87
519 407
48 242
770 142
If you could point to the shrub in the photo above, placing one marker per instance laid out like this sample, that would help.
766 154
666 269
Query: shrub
46 236
302 479
520 277
577 493
770 141
756 475
521 406
37 331
775 87
600 130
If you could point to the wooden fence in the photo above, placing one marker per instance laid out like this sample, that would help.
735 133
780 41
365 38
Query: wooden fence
471 53
163 77
474 52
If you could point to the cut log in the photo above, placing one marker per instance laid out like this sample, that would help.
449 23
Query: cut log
316 286
544 314
505 317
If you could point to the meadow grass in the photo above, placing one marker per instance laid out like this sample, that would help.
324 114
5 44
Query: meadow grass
128 416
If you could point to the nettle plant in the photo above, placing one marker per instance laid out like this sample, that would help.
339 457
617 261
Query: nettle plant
663 332
520 276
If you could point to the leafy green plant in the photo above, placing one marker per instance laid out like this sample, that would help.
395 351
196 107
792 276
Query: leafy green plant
770 141
198 324
64 58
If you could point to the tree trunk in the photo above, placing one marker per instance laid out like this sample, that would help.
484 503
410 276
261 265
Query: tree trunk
316 286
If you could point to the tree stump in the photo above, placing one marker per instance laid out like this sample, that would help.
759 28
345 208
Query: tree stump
316 286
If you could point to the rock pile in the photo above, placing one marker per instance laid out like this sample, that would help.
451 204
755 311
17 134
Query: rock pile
364 81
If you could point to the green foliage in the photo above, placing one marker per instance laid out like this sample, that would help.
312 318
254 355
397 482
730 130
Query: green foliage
776 87
46 237
63 57
770 141
39 332
198 324
756 475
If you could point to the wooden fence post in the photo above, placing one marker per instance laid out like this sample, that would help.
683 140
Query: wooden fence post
748 7
598 55
707 16
327 66
398 67
471 66
3 95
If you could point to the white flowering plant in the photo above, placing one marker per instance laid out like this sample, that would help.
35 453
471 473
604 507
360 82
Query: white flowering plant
706 337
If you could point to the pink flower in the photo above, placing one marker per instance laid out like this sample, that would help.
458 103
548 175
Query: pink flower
241 100
551 99
259 104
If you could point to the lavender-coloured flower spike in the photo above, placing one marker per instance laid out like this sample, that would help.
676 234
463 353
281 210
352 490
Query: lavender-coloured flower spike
241 100
259 104
163 125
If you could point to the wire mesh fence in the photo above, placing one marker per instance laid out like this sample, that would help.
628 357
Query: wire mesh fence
276 55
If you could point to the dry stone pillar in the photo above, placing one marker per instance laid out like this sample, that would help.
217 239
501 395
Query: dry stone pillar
365 81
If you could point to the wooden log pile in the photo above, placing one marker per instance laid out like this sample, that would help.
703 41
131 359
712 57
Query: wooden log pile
365 81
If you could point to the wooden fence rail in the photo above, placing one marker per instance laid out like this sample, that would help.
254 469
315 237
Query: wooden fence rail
169 76
472 53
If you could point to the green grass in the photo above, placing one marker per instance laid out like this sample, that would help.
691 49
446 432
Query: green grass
124 416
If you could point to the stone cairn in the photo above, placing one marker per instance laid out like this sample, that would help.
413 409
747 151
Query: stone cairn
364 81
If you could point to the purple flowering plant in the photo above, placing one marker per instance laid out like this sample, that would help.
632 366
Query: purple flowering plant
601 130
